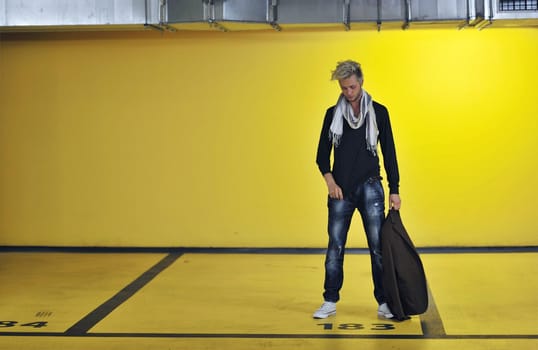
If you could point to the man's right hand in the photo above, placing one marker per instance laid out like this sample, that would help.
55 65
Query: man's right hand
335 191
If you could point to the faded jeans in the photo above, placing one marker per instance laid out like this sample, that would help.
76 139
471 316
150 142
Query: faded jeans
369 200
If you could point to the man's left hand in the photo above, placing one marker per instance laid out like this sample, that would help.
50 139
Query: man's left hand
395 202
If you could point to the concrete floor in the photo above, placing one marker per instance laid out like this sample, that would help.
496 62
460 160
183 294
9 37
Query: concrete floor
253 300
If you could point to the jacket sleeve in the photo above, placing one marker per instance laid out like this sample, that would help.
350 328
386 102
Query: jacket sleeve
388 148
323 157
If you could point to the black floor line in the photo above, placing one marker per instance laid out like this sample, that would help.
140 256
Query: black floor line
256 250
273 336
430 321
90 320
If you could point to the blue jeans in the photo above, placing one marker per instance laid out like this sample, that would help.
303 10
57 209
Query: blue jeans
369 200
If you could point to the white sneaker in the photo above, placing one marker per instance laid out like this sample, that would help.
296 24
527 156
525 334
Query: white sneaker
326 309
383 311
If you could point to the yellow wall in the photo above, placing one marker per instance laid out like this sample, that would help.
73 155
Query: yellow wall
209 139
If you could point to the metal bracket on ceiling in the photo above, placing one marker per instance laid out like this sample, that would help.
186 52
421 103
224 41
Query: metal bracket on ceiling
347 14
471 9
489 20
407 19
273 15
379 15
163 12
209 13
472 19
162 16
217 25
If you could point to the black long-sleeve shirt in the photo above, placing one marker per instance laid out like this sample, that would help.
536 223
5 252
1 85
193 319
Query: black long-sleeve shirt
353 163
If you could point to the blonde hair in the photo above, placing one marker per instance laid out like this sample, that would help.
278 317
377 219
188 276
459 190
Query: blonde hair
345 69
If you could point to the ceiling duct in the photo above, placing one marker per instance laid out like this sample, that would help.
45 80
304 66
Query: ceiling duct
233 15
454 13
54 15
377 14
348 14
313 13
220 14
287 14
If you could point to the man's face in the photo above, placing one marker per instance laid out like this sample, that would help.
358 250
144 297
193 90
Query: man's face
351 88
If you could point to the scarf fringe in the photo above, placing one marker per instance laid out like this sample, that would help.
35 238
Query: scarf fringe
343 110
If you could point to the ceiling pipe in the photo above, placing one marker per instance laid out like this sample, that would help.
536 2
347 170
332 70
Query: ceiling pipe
467 17
274 14
489 15
379 14
160 20
212 18
347 15
407 19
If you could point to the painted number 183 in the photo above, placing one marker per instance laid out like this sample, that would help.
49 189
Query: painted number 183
358 326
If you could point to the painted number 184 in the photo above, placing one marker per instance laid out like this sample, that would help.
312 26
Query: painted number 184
6 324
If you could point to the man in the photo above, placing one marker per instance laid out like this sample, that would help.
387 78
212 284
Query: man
353 128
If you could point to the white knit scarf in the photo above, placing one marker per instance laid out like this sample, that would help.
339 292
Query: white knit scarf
344 110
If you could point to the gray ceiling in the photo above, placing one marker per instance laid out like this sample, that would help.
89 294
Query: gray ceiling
231 15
